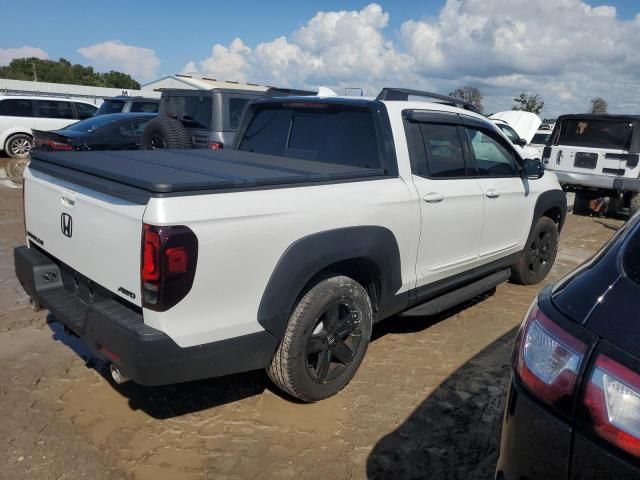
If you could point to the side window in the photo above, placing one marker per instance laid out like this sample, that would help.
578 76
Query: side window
16 107
491 156
236 109
435 150
127 129
54 109
140 125
145 107
84 110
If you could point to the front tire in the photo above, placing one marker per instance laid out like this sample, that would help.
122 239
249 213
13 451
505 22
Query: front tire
325 340
539 253
19 145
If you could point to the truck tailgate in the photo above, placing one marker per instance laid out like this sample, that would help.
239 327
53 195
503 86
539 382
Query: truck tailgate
95 234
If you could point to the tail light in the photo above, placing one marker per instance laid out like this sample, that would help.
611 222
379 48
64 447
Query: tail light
168 265
546 154
612 399
547 360
55 145
215 145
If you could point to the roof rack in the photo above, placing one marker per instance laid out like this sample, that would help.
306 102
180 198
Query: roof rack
402 95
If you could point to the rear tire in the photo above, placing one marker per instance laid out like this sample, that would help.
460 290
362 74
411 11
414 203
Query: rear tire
19 145
634 204
539 253
613 206
165 133
325 340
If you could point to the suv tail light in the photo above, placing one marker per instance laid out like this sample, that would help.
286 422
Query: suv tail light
215 145
547 360
546 154
612 398
168 265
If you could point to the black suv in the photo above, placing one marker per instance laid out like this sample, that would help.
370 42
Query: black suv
125 104
203 118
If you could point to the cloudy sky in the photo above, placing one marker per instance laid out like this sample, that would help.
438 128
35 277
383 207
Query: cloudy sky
568 51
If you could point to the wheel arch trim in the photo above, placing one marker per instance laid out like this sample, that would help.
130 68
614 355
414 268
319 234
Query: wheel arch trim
307 257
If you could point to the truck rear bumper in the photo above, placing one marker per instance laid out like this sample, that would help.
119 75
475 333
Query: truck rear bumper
605 182
117 332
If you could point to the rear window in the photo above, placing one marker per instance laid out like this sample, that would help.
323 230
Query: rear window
540 138
613 134
85 111
194 111
110 106
16 107
236 109
145 107
94 123
329 134
631 260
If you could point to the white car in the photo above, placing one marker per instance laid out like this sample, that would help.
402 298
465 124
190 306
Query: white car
20 114
328 215
519 127
539 141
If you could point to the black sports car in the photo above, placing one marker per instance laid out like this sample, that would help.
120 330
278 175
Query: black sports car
573 407
116 131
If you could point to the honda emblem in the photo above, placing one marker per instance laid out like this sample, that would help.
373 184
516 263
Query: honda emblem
66 225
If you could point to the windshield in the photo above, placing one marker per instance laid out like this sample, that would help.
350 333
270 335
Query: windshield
110 106
596 133
540 138
92 124
509 132
194 111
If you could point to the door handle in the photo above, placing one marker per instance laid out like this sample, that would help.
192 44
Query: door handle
433 197
492 193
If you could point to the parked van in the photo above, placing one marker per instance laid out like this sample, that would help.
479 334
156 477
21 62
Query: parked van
20 114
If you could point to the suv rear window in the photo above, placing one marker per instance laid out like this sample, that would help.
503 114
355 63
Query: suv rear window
110 106
194 111
614 134
324 133
145 107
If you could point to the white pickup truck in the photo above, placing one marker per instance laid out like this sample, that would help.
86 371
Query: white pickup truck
329 215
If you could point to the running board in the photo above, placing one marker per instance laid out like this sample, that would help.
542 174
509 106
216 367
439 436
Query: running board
456 297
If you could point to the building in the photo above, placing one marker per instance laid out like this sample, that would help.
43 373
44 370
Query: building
193 81
93 95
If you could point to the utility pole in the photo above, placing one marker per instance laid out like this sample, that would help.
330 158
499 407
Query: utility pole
35 74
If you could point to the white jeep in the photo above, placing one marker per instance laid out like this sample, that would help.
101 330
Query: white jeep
328 215
596 155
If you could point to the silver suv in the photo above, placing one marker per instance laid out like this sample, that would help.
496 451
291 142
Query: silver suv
203 118
597 155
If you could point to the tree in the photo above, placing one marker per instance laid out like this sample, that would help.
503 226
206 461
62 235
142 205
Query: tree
528 103
62 71
599 105
469 94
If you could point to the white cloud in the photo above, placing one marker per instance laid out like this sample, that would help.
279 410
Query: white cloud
565 50
8 54
141 63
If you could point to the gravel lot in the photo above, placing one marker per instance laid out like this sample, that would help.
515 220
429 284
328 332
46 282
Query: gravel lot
426 403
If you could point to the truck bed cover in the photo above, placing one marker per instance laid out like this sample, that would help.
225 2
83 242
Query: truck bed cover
173 171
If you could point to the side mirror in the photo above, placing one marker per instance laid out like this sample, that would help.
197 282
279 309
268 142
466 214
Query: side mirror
532 169
522 142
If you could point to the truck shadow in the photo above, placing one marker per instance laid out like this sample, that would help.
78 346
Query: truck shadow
455 432
171 400
180 399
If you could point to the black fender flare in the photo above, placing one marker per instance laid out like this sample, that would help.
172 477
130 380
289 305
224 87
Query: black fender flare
308 256
547 201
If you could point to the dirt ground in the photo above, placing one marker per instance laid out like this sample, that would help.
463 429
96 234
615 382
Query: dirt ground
426 403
